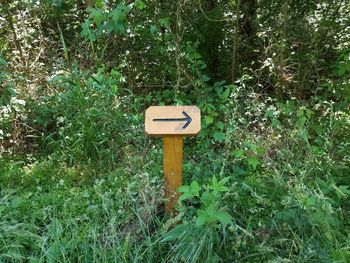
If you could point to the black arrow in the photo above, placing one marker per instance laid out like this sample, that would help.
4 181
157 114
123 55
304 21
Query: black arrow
188 119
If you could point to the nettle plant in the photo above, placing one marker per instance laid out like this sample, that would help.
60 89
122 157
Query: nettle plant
208 198
204 223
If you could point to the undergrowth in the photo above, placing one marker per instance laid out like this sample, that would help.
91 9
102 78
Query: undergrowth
266 181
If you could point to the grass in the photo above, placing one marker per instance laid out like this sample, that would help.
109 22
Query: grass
90 189
51 212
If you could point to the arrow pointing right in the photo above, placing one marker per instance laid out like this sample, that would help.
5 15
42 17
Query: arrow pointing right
188 120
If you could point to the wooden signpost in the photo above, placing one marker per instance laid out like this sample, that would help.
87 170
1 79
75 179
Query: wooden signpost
172 123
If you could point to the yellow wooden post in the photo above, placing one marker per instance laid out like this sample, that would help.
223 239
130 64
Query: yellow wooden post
173 155
173 123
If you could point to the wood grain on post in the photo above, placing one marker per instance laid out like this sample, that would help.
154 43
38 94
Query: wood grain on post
173 155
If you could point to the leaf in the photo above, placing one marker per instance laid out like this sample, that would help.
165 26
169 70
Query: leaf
118 17
202 218
189 191
183 189
311 201
253 162
209 119
219 136
185 196
344 189
85 28
195 188
165 22
218 187
211 214
239 153
153 29
53 252
227 93
205 78
220 125
208 198
139 4
269 113
97 16
17 203
86 31
2 61
223 217
341 70
275 123
214 181
99 3
303 133
224 180
206 216
341 191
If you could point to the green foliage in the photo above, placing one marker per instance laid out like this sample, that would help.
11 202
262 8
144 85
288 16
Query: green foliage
78 216
114 21
189 191
6 90
267 178
86 117
209 200
197 238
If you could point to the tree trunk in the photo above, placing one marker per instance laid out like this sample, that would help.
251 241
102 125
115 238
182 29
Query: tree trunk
248 31
235 41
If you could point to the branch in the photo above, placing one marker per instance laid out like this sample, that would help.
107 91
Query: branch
210 19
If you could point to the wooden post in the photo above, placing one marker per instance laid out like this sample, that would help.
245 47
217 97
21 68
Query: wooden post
172 123
173 155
